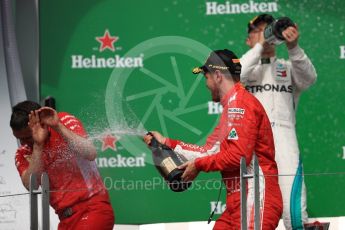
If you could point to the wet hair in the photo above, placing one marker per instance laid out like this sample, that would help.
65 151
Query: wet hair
20 114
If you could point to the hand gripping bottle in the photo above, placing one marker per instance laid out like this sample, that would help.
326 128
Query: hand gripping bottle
166 162
273 32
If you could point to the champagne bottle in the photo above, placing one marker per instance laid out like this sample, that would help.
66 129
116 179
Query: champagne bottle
166 162
273 32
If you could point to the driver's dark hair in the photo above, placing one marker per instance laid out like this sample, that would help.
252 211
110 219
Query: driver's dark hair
20 114
234 77
227 74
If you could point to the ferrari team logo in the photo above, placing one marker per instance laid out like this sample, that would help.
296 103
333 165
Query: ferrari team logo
107 41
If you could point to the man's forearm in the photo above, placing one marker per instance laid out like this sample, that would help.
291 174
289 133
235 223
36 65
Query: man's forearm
303 71
35 166
78 144
249 60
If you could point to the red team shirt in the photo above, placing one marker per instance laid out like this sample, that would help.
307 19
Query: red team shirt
66 170
243 130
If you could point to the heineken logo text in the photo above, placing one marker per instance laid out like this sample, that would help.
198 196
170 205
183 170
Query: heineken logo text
214 8
121 162
219 207
214 108
93 62
342 52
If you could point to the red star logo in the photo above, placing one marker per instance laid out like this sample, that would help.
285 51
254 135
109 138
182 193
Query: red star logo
108 142
107 41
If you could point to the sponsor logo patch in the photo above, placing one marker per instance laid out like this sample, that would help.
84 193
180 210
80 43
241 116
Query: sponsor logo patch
281 71
235 116
236 111
233 135
270 88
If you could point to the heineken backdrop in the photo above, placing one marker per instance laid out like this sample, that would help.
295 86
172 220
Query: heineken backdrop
124 67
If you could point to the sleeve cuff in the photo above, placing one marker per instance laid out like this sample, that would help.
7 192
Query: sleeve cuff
203 163
198 163
258 48
296 53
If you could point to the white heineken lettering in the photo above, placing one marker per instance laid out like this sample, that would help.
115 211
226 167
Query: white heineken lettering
219 209
121 162
342 52
110 62
87 62
214 108
245 8
214 8
343 152
77 61
93 62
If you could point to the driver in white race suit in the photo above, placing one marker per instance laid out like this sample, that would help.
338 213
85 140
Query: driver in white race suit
277 83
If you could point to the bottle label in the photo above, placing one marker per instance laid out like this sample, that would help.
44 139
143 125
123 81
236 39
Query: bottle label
271 33
168 165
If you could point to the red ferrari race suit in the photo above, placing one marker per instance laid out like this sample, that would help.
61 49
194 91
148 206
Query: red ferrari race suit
78 193
243 130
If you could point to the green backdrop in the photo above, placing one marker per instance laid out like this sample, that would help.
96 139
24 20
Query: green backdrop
141 80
